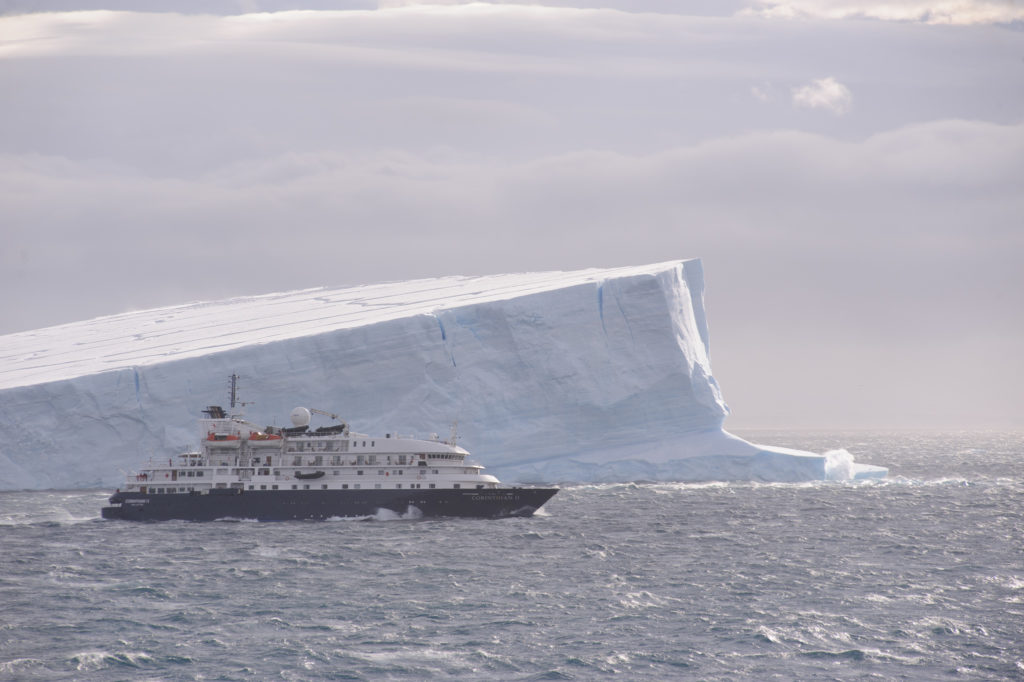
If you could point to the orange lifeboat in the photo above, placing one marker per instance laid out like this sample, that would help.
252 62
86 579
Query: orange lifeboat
264 436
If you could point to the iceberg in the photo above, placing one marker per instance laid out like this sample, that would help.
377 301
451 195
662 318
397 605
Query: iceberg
598 375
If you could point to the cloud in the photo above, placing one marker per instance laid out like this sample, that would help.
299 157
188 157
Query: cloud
956 12
824 93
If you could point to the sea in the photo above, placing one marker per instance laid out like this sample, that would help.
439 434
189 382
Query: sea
916 577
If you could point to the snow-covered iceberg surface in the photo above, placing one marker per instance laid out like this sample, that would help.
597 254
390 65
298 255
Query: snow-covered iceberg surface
595 375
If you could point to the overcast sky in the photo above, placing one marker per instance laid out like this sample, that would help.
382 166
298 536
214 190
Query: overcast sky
851 173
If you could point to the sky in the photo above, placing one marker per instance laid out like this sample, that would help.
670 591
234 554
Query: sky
850 172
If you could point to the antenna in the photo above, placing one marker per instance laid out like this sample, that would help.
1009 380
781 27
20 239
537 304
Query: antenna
234 393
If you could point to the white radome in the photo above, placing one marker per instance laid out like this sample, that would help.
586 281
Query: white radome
300 416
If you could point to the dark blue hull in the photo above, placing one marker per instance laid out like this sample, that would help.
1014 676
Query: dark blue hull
289 505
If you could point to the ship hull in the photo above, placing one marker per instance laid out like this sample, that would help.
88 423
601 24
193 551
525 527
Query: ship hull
291 505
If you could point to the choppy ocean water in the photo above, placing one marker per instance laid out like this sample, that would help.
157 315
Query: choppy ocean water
920 576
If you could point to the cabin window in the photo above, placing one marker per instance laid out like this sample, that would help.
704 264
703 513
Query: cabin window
479 486
323 487
356 486
456 485
431 485
376 485
295 487
373 443
359 472
335 472
344 486
380 472
305 487
199 474
364 443
433 471
263 487
252 487
273 487
398 485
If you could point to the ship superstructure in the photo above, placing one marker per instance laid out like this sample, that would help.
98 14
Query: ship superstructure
247 471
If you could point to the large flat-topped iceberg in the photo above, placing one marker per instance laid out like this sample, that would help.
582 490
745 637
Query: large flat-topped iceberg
595 375
149 337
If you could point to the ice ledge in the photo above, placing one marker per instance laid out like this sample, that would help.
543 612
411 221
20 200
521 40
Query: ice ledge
712 455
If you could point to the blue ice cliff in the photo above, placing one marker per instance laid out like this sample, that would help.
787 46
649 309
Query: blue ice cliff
597 375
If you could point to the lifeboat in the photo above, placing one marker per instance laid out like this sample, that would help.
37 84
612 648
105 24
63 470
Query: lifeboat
264 436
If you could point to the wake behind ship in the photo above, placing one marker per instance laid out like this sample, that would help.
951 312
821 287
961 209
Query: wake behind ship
244 471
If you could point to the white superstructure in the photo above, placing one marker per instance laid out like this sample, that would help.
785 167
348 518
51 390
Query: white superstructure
236 453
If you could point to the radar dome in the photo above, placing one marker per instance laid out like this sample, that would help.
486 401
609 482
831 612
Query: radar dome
300 416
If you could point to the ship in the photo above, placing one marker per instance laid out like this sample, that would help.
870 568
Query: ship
247 472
